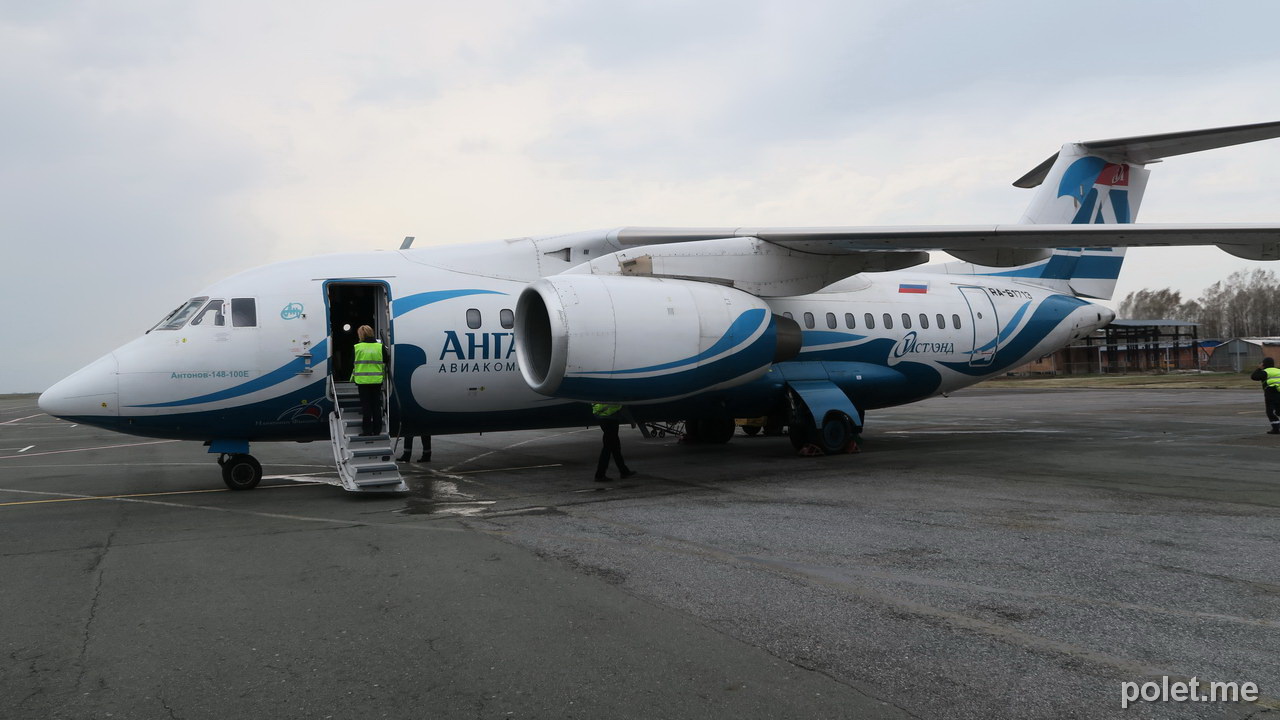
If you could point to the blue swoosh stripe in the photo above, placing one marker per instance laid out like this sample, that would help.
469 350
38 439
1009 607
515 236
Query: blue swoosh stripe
811 338
741 329
290 369
1087 266
1052 311
1008 328
696 379
319 353
1095 266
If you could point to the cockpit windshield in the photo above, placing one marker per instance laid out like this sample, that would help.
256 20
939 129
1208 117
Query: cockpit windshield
211 315
180 315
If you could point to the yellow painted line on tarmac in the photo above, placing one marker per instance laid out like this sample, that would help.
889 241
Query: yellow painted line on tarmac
154 494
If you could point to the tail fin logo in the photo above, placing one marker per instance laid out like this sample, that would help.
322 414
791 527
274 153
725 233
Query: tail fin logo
1100 190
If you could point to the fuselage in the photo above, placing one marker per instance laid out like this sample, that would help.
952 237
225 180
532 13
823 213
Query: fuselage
254 367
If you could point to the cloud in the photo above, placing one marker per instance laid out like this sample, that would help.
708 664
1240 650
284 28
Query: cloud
154 147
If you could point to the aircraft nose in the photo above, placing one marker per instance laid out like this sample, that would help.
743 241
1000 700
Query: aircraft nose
90 391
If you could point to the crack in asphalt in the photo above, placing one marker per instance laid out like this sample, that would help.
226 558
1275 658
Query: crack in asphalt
98 571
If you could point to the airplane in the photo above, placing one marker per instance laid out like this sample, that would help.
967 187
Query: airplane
807 327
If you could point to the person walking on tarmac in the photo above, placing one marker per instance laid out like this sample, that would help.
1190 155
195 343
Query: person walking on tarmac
1269 375
367 373
408 449
607 415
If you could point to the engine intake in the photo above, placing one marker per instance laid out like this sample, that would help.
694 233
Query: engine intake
629 339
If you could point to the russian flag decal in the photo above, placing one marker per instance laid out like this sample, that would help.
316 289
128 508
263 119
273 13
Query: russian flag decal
913 287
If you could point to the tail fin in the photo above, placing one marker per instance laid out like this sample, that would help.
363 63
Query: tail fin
1083 187
1099 182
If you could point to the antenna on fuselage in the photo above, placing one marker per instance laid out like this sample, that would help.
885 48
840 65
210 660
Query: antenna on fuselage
408 240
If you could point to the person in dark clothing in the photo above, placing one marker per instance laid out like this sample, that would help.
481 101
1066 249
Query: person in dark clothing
408 449
607 415
1269 375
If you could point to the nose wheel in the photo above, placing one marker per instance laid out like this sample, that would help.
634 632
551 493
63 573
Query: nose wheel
240 472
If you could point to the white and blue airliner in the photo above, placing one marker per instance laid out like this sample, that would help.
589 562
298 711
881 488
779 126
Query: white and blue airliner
809 327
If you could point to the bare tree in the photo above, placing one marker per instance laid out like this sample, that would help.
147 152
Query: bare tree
1246 304
1163 304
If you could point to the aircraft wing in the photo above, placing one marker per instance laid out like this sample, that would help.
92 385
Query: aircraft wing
771 262
1249 241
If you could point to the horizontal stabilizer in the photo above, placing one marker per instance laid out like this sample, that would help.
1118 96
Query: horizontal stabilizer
1144 149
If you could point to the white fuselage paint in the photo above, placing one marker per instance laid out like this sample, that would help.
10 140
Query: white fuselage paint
205 376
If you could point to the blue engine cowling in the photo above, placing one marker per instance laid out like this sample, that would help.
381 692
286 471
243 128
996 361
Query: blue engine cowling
643 339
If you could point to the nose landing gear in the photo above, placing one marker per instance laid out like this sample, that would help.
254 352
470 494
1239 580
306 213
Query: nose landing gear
240 471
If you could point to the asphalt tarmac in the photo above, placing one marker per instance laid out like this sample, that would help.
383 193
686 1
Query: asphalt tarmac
995 554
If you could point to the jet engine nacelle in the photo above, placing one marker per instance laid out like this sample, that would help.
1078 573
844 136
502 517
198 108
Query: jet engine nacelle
630 339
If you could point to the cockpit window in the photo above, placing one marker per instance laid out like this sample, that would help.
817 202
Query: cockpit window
244 312
181 315
211 315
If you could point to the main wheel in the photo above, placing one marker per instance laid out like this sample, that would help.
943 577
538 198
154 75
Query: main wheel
692 431
836 433
241 472
751 430
716 431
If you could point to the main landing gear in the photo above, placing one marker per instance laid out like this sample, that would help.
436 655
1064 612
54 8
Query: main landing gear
712 431
836 432
240 471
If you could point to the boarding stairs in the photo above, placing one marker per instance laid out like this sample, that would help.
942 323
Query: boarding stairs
365 463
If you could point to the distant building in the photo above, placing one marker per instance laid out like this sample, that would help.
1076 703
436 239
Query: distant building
1127 346
1243 354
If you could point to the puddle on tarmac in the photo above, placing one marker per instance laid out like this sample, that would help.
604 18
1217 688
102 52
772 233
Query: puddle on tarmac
429 496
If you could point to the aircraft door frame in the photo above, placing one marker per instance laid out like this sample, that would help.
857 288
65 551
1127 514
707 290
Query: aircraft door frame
985 323
382 319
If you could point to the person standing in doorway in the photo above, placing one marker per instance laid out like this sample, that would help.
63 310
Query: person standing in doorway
1269 375
368 372
607 415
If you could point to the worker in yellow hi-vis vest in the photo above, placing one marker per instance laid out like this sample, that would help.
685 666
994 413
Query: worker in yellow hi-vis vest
368 373
1269 375
607 415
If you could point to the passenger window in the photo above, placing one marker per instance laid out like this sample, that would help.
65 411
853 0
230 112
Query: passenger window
848 320
888 321
942 322
211 315
507 319
808 320
473 318
244 312
181 315
906 321
955 321
870 321
787 315
831 320
924 321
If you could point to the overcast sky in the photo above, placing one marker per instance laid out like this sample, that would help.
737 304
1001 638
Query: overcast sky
153 147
